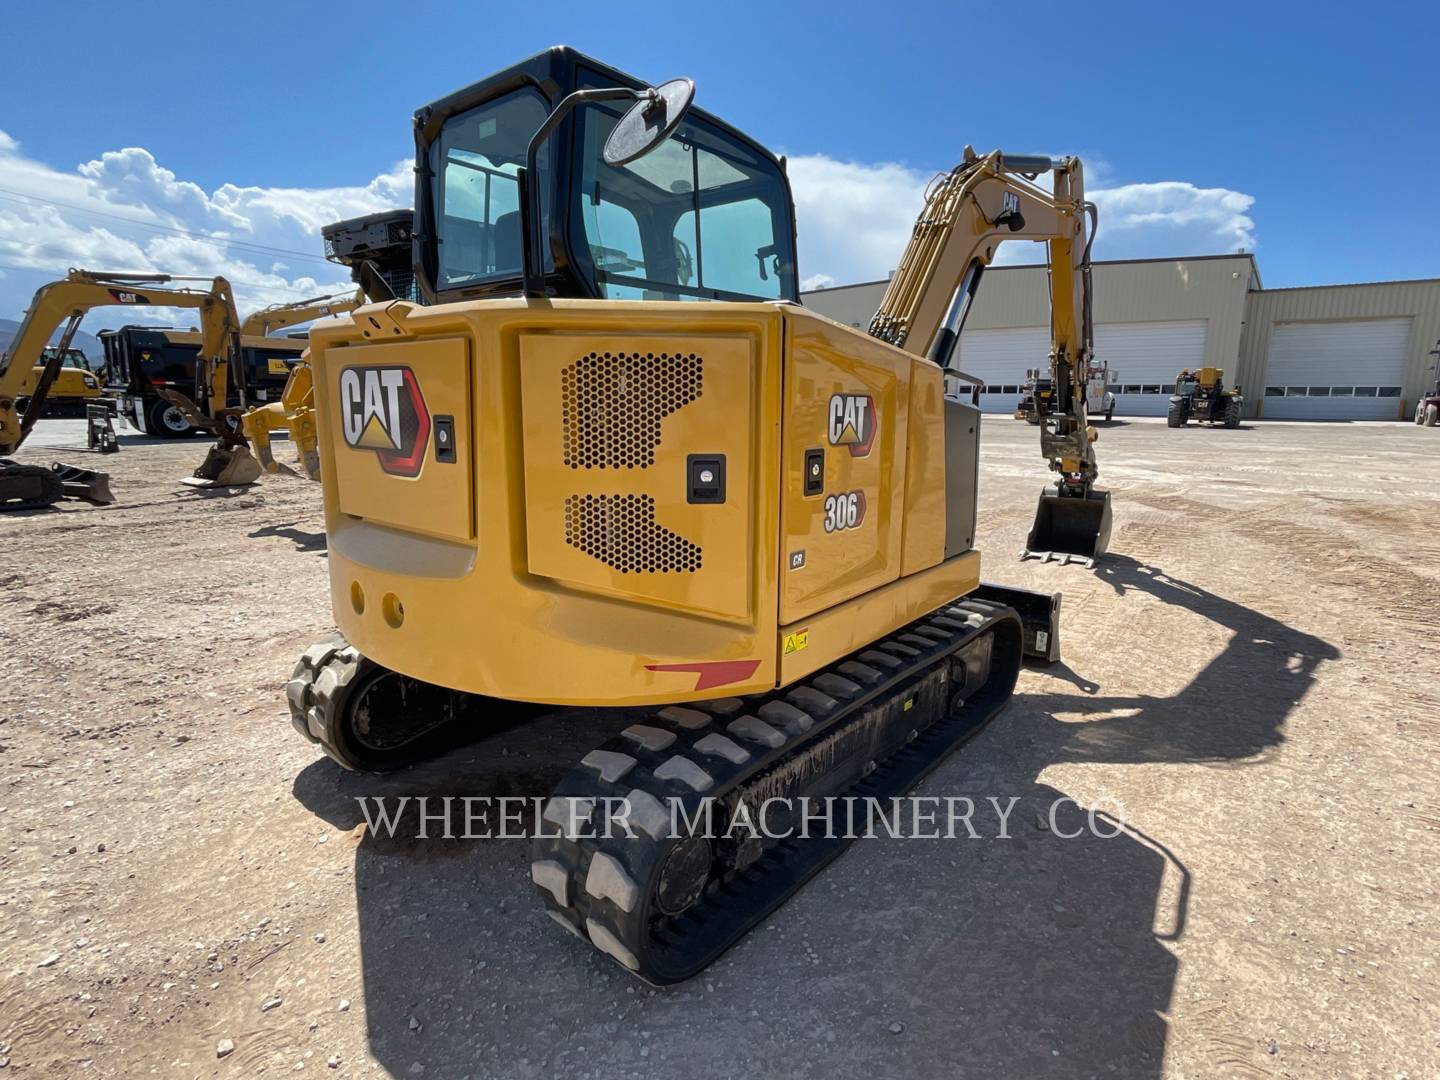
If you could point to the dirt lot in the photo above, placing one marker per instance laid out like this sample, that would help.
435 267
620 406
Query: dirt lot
1253 675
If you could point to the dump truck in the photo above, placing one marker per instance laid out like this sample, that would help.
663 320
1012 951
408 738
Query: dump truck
141 361
612 466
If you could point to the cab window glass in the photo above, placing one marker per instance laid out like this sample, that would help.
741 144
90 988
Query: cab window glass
701 216
478 202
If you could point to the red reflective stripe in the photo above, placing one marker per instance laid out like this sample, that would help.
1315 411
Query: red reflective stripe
713 673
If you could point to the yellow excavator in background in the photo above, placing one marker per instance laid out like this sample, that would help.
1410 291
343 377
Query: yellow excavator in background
377 251
740 532
277 317
62 304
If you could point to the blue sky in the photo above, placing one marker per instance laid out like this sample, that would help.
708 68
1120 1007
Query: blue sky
209 140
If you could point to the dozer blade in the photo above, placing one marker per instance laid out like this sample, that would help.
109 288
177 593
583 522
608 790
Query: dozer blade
1069 528
225 467
84 484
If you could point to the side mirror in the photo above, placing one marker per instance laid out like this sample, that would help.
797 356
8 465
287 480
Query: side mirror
656 113
649 122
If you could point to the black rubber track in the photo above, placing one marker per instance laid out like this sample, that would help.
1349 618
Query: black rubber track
604 888
28 487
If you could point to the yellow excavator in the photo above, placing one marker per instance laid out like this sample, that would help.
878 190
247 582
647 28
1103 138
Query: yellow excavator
613 466
62 304
278 317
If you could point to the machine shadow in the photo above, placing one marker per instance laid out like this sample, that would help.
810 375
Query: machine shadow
303 540
1233 711
1037 948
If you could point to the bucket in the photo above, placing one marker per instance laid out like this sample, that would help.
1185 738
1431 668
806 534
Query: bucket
1069 528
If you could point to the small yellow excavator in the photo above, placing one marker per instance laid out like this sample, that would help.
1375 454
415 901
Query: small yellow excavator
76 384
278 317
614 466
64 303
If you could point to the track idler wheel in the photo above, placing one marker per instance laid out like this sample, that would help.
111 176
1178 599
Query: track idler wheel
371 719
367 717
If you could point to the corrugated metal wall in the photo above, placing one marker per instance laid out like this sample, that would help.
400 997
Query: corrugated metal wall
1225 291
1420 300
1213 289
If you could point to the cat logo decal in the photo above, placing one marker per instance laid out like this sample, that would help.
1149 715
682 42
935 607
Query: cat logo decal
853 422
383 410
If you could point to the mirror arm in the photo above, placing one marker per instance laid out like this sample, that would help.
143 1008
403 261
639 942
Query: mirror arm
534 270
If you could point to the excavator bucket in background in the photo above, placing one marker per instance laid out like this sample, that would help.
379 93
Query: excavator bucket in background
1069 528
225 466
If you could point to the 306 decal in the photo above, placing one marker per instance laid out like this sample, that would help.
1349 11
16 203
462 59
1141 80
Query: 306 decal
845 510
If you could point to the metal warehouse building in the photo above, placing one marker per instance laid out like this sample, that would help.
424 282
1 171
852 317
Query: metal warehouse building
1335 352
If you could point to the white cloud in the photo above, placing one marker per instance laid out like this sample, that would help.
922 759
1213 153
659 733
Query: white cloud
126 211
854 219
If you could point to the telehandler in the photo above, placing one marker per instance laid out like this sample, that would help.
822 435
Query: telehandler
743 532
64 303
1427 409
1201 395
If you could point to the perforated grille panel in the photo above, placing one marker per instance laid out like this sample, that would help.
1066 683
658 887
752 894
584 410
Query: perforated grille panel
614 403
621 531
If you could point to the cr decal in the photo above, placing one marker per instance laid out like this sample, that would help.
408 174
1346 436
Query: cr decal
844 511
853 422
796 641
383 410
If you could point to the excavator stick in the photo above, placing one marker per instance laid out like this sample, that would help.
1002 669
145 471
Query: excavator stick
1069 527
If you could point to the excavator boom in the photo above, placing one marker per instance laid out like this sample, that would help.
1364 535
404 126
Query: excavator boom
968 212
65 303
268 320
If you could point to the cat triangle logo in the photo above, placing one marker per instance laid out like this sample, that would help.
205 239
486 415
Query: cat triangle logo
375 437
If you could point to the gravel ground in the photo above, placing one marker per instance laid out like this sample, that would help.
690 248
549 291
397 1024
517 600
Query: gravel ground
1252 676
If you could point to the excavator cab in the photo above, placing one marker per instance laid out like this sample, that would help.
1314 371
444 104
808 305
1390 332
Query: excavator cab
705 214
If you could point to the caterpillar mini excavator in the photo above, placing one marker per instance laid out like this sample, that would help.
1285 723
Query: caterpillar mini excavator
63 304
742 531
268 320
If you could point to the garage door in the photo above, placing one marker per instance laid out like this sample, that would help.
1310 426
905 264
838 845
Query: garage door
1144 359
1336 370
1001 358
